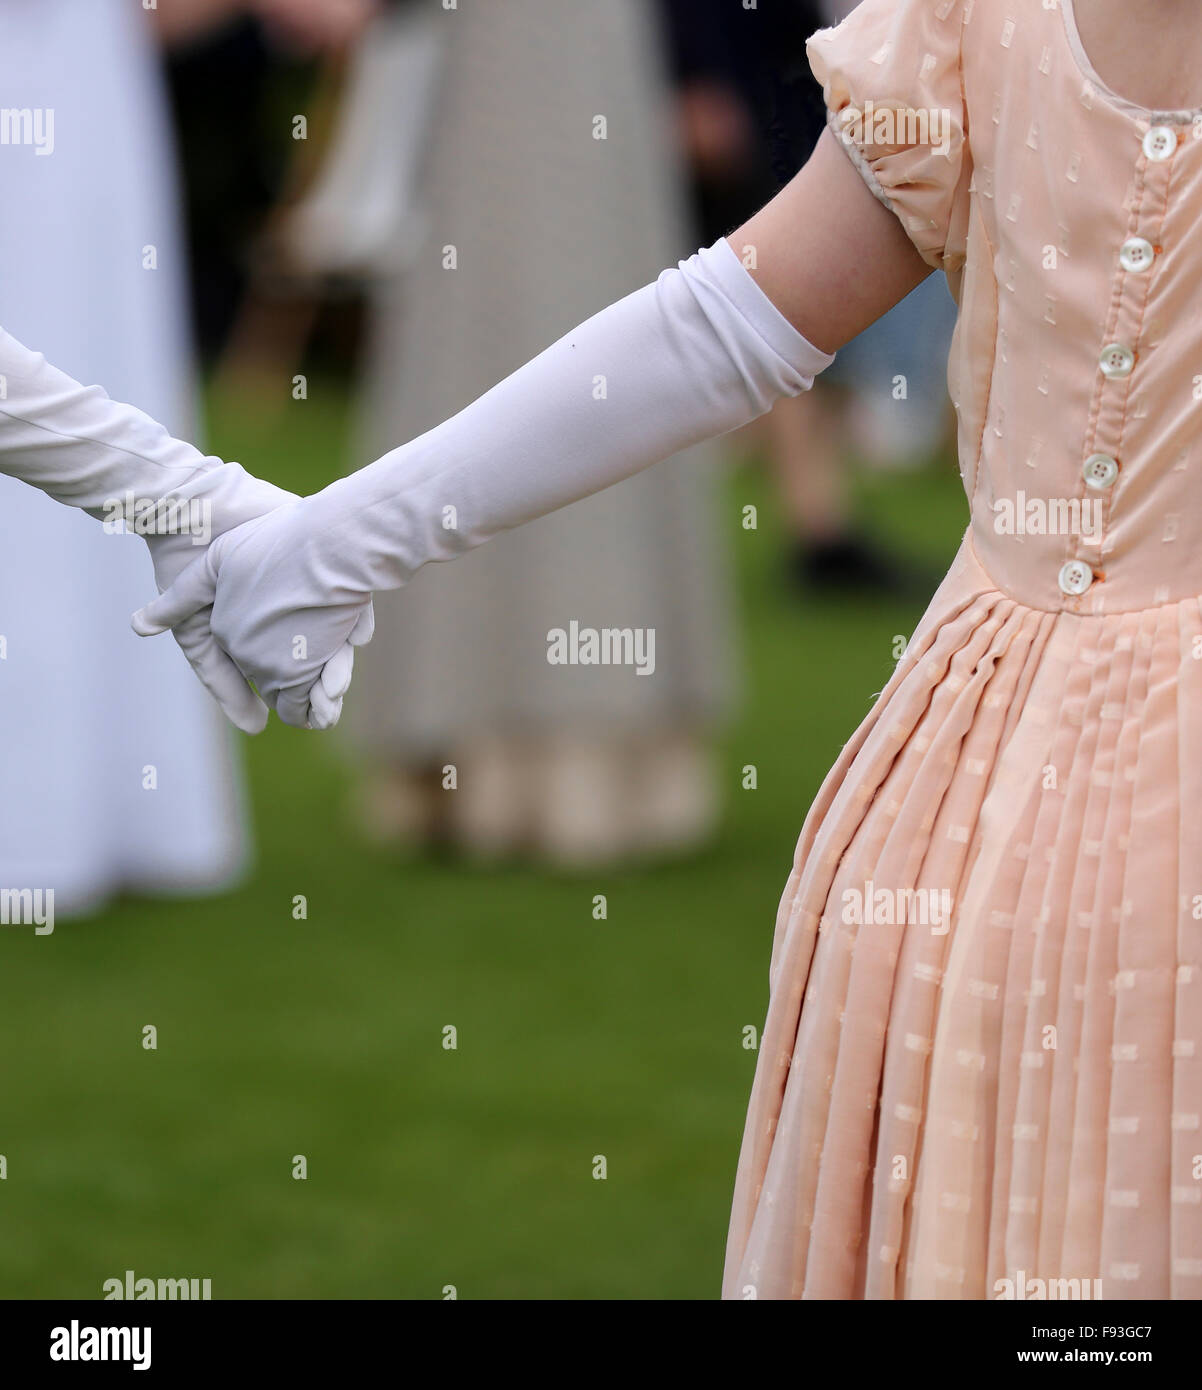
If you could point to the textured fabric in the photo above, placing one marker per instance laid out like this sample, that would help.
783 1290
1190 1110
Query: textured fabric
955 1104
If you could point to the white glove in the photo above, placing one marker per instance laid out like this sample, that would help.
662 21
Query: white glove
700 352
118 464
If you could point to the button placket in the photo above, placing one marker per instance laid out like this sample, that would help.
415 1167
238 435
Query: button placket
1119 357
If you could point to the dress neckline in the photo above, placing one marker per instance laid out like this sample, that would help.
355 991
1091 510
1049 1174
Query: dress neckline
1089 72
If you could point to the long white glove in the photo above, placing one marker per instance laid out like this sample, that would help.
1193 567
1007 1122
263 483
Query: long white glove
700 352
119 465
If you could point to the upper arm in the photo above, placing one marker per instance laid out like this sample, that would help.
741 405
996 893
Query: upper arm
861 225
829 254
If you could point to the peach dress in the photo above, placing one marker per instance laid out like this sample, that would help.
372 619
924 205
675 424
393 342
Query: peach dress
1011 1089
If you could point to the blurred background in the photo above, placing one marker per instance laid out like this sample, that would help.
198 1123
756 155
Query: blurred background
303 231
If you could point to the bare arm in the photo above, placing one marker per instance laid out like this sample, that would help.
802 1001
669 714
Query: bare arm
829 255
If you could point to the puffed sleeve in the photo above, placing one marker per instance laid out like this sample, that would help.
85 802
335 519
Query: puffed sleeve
892 80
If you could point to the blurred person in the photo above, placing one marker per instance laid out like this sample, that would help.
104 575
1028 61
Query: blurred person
547 220
127 780
750 113
979 1065
241 159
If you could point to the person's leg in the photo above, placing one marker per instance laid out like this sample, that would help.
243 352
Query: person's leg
806 441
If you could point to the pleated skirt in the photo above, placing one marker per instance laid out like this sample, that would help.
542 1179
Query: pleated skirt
980 1074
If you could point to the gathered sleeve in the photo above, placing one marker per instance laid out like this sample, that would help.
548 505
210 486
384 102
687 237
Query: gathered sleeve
892 80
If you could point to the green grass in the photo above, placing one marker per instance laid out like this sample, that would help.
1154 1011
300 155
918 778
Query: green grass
429 1167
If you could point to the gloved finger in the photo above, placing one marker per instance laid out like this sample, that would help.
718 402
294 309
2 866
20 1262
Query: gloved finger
361 633
324 710
325 698
193 590
221 678
292 706
335 678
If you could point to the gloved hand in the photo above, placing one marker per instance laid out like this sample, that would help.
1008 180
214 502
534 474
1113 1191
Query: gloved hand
173 552
293 635
701 351
118 464
317 686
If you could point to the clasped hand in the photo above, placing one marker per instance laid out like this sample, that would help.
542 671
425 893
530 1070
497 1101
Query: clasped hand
261 592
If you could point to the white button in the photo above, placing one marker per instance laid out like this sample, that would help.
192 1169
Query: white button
1116 360
1137 255
1160 142
1100 471
1075 577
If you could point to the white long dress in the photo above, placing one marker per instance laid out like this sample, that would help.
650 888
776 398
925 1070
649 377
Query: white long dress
117 771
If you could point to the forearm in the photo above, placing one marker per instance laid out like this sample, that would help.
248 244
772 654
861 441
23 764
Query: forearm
703 350
708 347
698 353
110 459
118 464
